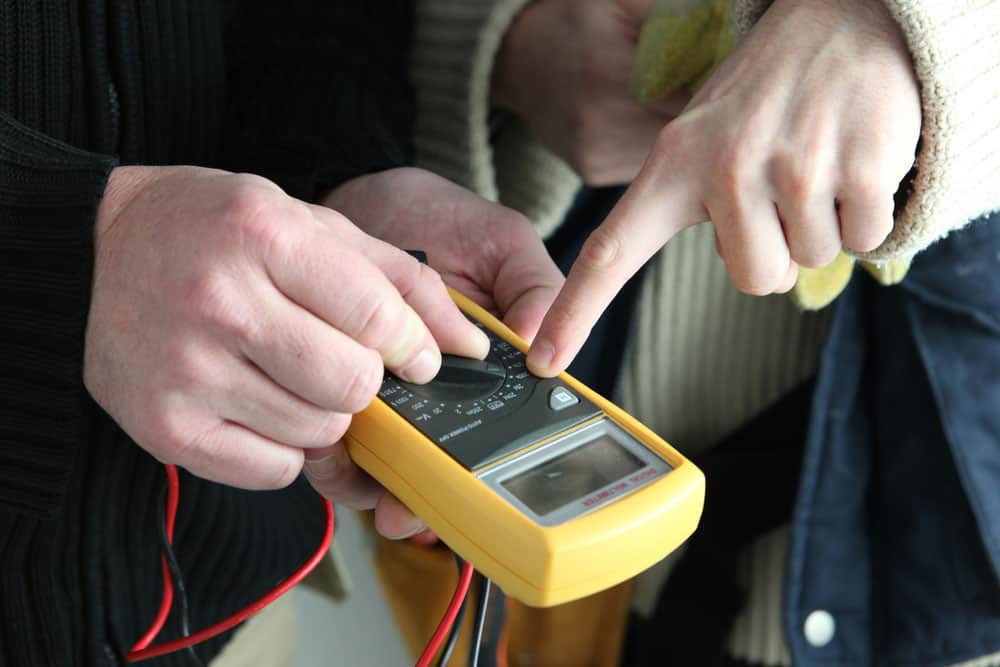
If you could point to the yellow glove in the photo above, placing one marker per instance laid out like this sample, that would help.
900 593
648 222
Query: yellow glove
680 44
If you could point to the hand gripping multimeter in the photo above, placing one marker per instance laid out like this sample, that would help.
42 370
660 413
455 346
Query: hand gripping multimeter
544 486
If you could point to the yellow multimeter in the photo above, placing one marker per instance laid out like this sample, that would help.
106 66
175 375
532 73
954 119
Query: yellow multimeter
547 488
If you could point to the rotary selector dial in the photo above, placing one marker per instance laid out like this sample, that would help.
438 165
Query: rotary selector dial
463 390
461 379
480 410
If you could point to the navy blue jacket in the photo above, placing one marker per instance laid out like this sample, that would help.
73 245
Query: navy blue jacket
896 530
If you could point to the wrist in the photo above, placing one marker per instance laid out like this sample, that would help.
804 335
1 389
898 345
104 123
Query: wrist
122 186
874 14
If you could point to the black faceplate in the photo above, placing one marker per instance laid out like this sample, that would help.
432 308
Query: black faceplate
478 429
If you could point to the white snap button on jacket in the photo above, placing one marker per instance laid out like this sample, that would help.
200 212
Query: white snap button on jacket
820 628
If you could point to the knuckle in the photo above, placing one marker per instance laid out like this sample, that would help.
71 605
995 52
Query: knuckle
249 179
826 254
759 278
864 185
258 219
214 300
360 386
332 426
412 275
376 320
670 137
868 177
247 200
167 435
188 369
732 172
798 180
670 143
815 256
284 473
430 280
602 250
676 143
868 237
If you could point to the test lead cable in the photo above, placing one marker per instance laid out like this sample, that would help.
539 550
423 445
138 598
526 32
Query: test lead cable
142 649
178 579
456 627
448 620
482 607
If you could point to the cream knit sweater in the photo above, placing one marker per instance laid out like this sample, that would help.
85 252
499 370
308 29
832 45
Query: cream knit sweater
702 357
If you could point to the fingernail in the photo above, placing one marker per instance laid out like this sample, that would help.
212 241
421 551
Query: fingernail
418 526
540 355
423 368
482 344
410 338
323 468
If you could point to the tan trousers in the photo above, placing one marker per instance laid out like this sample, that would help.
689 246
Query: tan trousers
266 640
269 639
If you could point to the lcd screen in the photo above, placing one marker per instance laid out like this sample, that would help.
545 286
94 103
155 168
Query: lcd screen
576 473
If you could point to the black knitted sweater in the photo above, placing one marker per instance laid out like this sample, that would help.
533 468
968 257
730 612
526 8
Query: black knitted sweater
306 92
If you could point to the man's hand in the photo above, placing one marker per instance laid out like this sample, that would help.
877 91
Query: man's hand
232 327
565 66
488 252
793 150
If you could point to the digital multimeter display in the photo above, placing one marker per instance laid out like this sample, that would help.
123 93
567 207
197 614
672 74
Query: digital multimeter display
573 475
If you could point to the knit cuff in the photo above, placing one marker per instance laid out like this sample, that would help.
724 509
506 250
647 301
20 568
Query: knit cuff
955 47
49 193
454 48
745 15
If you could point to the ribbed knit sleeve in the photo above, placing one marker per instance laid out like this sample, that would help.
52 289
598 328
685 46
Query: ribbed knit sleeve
49 193
318 92
955 47
454 47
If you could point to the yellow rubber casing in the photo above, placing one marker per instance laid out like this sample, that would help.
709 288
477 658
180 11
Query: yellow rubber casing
539 565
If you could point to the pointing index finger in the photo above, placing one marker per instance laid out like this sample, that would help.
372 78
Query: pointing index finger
648 215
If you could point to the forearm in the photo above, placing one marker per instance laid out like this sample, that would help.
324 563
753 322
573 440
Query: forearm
454 51
49 194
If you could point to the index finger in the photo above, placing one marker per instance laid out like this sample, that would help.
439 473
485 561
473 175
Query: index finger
649 214
331 279
424 290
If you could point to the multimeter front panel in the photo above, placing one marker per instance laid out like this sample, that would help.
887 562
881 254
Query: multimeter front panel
543 485
559 456
481 411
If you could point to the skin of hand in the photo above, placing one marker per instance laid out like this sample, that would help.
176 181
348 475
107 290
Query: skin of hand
565 67
793 149
486 251
233 327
